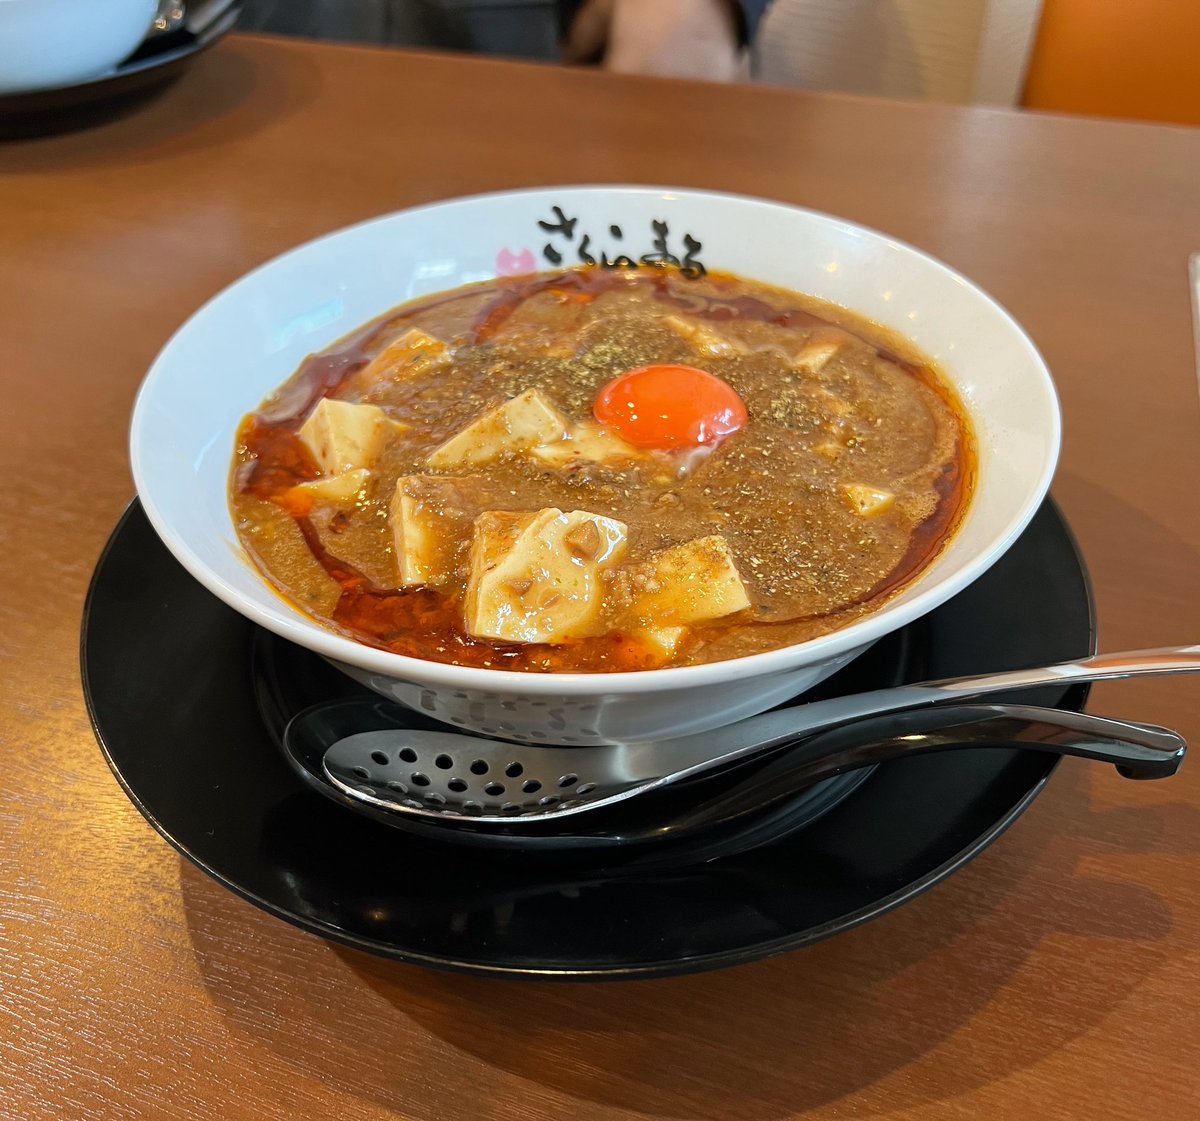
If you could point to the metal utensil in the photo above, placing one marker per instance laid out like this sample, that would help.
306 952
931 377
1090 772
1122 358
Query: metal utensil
1138 751
168 18
176 19
433 774
200 15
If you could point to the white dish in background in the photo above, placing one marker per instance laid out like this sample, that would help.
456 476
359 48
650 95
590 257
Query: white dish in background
46 43
251 337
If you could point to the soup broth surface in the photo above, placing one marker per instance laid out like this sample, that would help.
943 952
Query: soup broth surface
852 472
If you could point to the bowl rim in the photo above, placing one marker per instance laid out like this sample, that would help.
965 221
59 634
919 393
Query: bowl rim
311 633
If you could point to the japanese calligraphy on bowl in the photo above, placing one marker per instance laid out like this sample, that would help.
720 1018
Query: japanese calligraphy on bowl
567 245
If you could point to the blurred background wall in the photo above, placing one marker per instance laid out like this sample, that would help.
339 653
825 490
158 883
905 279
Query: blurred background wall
1115 58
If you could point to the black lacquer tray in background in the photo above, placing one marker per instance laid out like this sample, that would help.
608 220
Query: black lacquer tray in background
174 698
160 60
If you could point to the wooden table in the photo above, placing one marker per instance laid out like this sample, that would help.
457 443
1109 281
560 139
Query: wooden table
1057 977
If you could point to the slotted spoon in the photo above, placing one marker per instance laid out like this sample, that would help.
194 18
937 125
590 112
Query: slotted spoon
435 774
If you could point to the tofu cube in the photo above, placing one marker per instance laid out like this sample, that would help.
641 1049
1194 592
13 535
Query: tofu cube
429 525
703 338
867 501
521 423
343 436
690 583
814 356
663 641
340 490
535 577
411 351
587 442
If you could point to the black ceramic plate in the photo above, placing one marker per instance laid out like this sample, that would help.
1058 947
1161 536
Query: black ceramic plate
172 694
159 60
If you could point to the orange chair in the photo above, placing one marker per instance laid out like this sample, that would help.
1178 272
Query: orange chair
1118 58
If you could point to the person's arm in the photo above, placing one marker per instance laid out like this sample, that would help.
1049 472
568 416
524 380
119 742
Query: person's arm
667 38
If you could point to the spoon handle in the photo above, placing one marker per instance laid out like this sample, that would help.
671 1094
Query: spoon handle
698 752
1099 667
1139 751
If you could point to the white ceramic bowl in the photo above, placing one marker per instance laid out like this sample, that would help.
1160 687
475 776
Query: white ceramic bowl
47 43
252 336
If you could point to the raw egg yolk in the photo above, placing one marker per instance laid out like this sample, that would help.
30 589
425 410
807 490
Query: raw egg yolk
667 407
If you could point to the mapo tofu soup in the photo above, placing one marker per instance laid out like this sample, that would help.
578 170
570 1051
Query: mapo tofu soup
600 470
